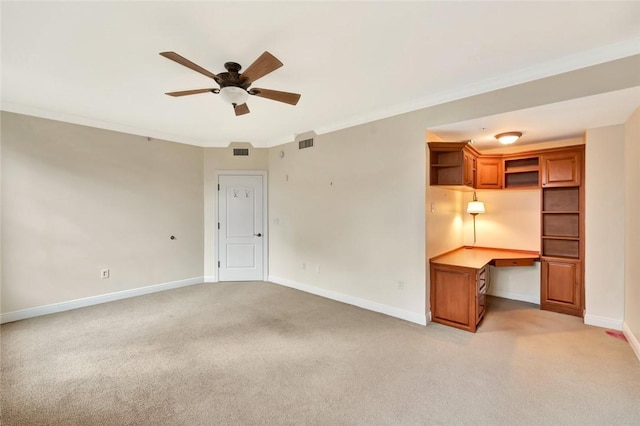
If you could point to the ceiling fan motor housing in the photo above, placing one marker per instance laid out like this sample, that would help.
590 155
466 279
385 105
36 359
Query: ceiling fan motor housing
232 78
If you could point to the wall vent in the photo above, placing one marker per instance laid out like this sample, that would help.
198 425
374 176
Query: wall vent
241 151
307 143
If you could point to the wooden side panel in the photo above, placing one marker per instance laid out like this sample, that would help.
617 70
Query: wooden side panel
453 296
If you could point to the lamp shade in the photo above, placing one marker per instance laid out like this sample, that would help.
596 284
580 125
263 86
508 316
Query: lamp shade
475 207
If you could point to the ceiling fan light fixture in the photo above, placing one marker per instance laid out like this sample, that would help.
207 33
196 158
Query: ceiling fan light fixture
234 95
508 137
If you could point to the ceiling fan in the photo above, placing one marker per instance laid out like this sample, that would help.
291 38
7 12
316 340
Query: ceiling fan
234 87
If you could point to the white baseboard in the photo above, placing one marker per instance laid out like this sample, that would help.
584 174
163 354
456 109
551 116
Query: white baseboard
603 322
210 279
515 296
94 300
361 303
631 338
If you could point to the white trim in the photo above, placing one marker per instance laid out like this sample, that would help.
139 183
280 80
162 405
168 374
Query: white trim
95 300
604 322
631 338
355 301
515 296
210 279
265 217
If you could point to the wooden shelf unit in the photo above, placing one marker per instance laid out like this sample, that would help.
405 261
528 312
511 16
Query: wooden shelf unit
562 229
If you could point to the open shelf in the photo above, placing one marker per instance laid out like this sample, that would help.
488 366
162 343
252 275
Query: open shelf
522 172
521 180
561 247
561 200
561 225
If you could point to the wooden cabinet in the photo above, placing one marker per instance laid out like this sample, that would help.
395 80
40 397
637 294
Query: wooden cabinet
562 228
561 286
488 173
452 164
561 169
458 164
459 282
458 295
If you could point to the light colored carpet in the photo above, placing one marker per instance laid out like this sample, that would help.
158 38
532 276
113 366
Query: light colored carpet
258 353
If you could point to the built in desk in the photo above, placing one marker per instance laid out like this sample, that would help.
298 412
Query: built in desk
459 282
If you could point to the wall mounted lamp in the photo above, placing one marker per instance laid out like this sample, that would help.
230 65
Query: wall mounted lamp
508 137
474 208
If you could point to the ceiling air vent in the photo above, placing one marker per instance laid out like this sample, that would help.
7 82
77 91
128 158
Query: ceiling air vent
241 152
307 143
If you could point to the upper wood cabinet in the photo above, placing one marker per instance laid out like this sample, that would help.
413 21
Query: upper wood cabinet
458 164
561 168
488 173
452 164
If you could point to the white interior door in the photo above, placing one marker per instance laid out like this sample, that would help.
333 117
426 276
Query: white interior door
240 223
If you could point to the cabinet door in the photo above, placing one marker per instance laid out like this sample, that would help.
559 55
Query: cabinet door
561 289
561 169
469 170
489 173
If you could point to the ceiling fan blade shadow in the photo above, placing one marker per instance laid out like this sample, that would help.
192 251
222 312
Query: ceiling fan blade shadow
187 63
262 66
241 109
191 92
286 97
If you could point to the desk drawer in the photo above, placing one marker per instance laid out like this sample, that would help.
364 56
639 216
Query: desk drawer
501 263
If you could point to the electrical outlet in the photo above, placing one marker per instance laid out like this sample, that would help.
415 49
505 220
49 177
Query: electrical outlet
304 266
104 274
400 285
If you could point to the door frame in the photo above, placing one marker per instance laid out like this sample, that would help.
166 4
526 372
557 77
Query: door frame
265 218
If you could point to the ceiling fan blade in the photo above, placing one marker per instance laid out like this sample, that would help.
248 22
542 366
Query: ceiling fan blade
262 66
241 109
190 92
286 97
187 63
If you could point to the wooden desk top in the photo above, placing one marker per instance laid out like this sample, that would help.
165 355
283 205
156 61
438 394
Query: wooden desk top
478 257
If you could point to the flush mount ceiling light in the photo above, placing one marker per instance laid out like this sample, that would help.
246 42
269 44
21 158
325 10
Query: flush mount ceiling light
508 137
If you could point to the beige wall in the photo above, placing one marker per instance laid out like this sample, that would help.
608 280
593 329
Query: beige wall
604 226
632 230
347 215
216 160
76 200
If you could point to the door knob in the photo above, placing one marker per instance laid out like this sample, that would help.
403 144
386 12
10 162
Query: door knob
258 234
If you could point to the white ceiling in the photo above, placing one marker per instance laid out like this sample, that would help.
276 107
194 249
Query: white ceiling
97 63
